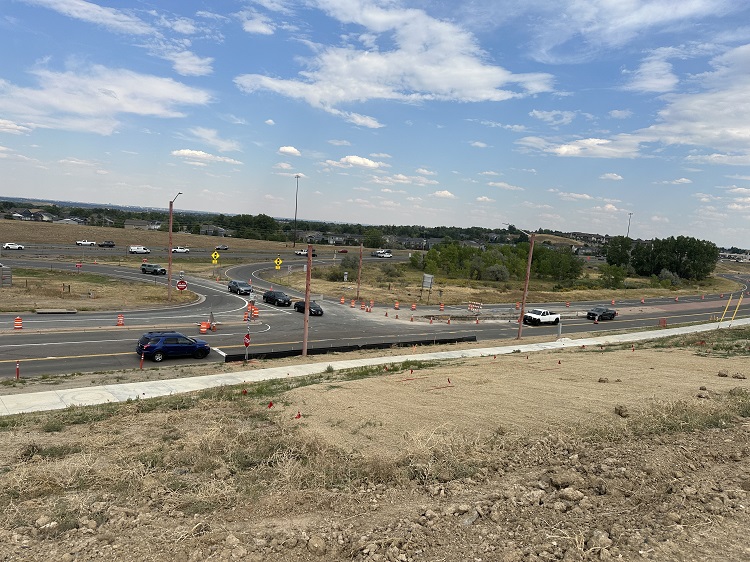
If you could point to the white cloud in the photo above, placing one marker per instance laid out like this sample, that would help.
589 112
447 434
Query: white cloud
620 113
211 138
290 150
444 195
108 18
478 144
488 173
484 199
554 118
336 142
425 172
356 161
269 122
653 75
202 157
430 60
659 219
380 155
676 182
569 196
610 176
252 22
504 185
283 166
403 179
90 98
13 128
187 63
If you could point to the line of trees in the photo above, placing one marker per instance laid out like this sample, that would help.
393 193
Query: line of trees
498 262
683 257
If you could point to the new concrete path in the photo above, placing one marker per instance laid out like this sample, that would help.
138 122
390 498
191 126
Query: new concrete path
60 399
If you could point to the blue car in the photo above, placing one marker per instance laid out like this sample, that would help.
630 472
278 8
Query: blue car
159 345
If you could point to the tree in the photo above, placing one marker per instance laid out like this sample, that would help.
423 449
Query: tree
373 238
612 276
618 250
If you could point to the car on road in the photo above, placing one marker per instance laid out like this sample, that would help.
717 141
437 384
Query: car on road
315 309
138 250
107 244
279 298
162 344
304 253
153 269
222 247
601 313
343 251
12 246
539 316
180 250
382 254
240 287
85 243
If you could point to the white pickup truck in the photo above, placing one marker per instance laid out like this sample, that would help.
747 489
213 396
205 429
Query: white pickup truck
540 316
85 243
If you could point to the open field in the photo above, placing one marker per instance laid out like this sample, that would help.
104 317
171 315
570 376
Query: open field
508 458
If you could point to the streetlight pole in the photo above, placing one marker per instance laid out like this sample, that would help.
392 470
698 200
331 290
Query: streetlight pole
169 261
296 192
630 215
526 282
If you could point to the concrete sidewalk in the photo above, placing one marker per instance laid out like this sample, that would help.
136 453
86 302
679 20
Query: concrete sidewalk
60 399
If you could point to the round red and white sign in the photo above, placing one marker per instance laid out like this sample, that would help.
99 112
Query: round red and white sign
182 285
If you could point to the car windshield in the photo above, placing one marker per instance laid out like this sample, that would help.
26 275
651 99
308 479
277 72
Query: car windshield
242 284
536 311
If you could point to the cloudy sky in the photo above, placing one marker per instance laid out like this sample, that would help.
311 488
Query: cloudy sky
574 115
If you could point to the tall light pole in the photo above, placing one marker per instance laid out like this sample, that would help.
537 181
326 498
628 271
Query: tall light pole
169 262
630 215
296 192
526 283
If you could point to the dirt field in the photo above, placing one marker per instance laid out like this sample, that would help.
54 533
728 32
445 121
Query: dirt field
507 458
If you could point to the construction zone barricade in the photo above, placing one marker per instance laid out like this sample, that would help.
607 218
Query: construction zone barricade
120 320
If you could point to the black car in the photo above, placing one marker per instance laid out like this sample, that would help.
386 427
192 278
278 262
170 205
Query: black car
107 244
240 287
278 298
601 313
315 309
159 345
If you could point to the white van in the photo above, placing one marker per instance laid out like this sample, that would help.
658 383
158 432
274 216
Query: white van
138 250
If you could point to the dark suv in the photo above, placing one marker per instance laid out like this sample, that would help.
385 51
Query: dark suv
162 344
277 297
240 287
601 313
153 268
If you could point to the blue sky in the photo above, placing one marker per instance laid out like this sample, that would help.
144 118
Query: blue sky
574 115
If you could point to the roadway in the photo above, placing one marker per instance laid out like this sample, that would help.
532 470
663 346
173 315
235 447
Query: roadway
54 344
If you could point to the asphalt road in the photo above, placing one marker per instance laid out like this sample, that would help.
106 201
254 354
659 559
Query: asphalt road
91 342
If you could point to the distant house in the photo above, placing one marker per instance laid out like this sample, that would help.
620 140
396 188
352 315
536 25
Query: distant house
67 221
212 230
335 239
136 224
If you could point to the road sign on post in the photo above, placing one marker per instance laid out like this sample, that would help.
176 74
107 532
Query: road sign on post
215 255
182 284
247 340
278 261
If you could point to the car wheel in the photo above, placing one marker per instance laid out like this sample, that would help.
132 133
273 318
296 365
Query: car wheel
557 321
200 353
158 356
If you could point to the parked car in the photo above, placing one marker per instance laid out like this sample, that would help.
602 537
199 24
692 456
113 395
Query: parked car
343 251
240 287
85 243
315 309
601 313
180 250
159 345
138 250
278 298
153 268
12 246
222 247
107 244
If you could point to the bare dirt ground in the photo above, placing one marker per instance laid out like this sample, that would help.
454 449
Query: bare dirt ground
506 458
